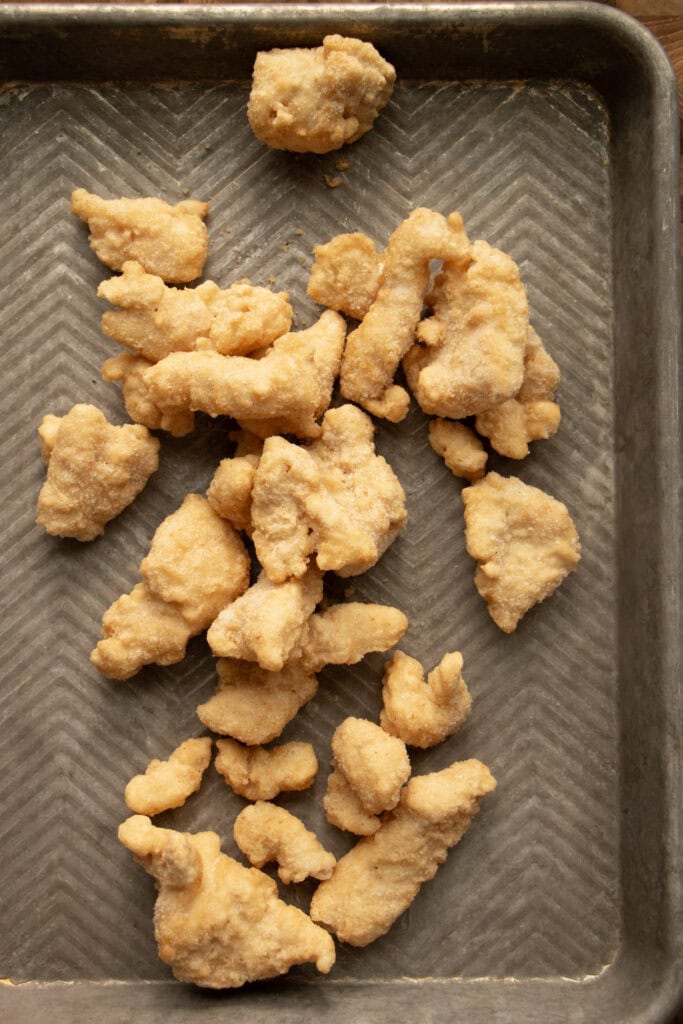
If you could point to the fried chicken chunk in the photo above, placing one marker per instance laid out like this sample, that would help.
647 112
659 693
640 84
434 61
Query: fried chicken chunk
168 784
94 471
345 274
269 622
258 773
217 923
375 764
130 370
265 832
229 493
524 541
531 415
170 241
380 876
345 633
473 352
336 500
459 447
154 320
254 705
420 714
343 806
314 101
375 349
292 381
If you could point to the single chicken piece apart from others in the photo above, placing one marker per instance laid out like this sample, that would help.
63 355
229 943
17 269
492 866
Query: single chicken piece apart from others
524 541
423 714
345 633
265 832
345 274
229 493
293 380
130 370
254 705
375 349
343 806
315 100
375 764
377 880
260 773
168 784
459 447
217 923
269 622
336 500
154 320
472 356
94 471
170 241
531 415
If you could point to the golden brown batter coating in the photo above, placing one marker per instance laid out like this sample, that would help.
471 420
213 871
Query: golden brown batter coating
346 273
260 773
375 764
168 784
229 493
423 714
345 633
265 832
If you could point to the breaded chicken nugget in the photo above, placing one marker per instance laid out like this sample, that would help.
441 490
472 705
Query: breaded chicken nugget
196 561
168 784
293 379
313 101
94 471
473 352
269 622
343 806
345 633
254 705
155 320
459 447
524 541
130 371
420 714
170 241
375 349
217 923
258 773
139 629
375 764
379 878
531 415
345 274
265 832
229 493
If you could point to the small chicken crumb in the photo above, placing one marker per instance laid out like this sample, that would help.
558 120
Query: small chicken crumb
258 773
332 180
168 784
265 832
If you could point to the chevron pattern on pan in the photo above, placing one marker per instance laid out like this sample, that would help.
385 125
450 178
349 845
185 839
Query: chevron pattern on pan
533 889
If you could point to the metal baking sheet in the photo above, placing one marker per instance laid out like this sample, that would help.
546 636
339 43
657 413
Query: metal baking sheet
553 129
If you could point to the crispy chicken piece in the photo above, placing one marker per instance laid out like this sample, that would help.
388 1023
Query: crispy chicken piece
217 923
524 541
154 320
345 274
381 875
269 622
375 764
265 832
313 101
345 633
258 773
94 471
196 561
254 705
343 806
293 380
459 447
140 629
170 241
531 415
168 784
473 352
229 493
375 349
424 715
336 499
130 370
